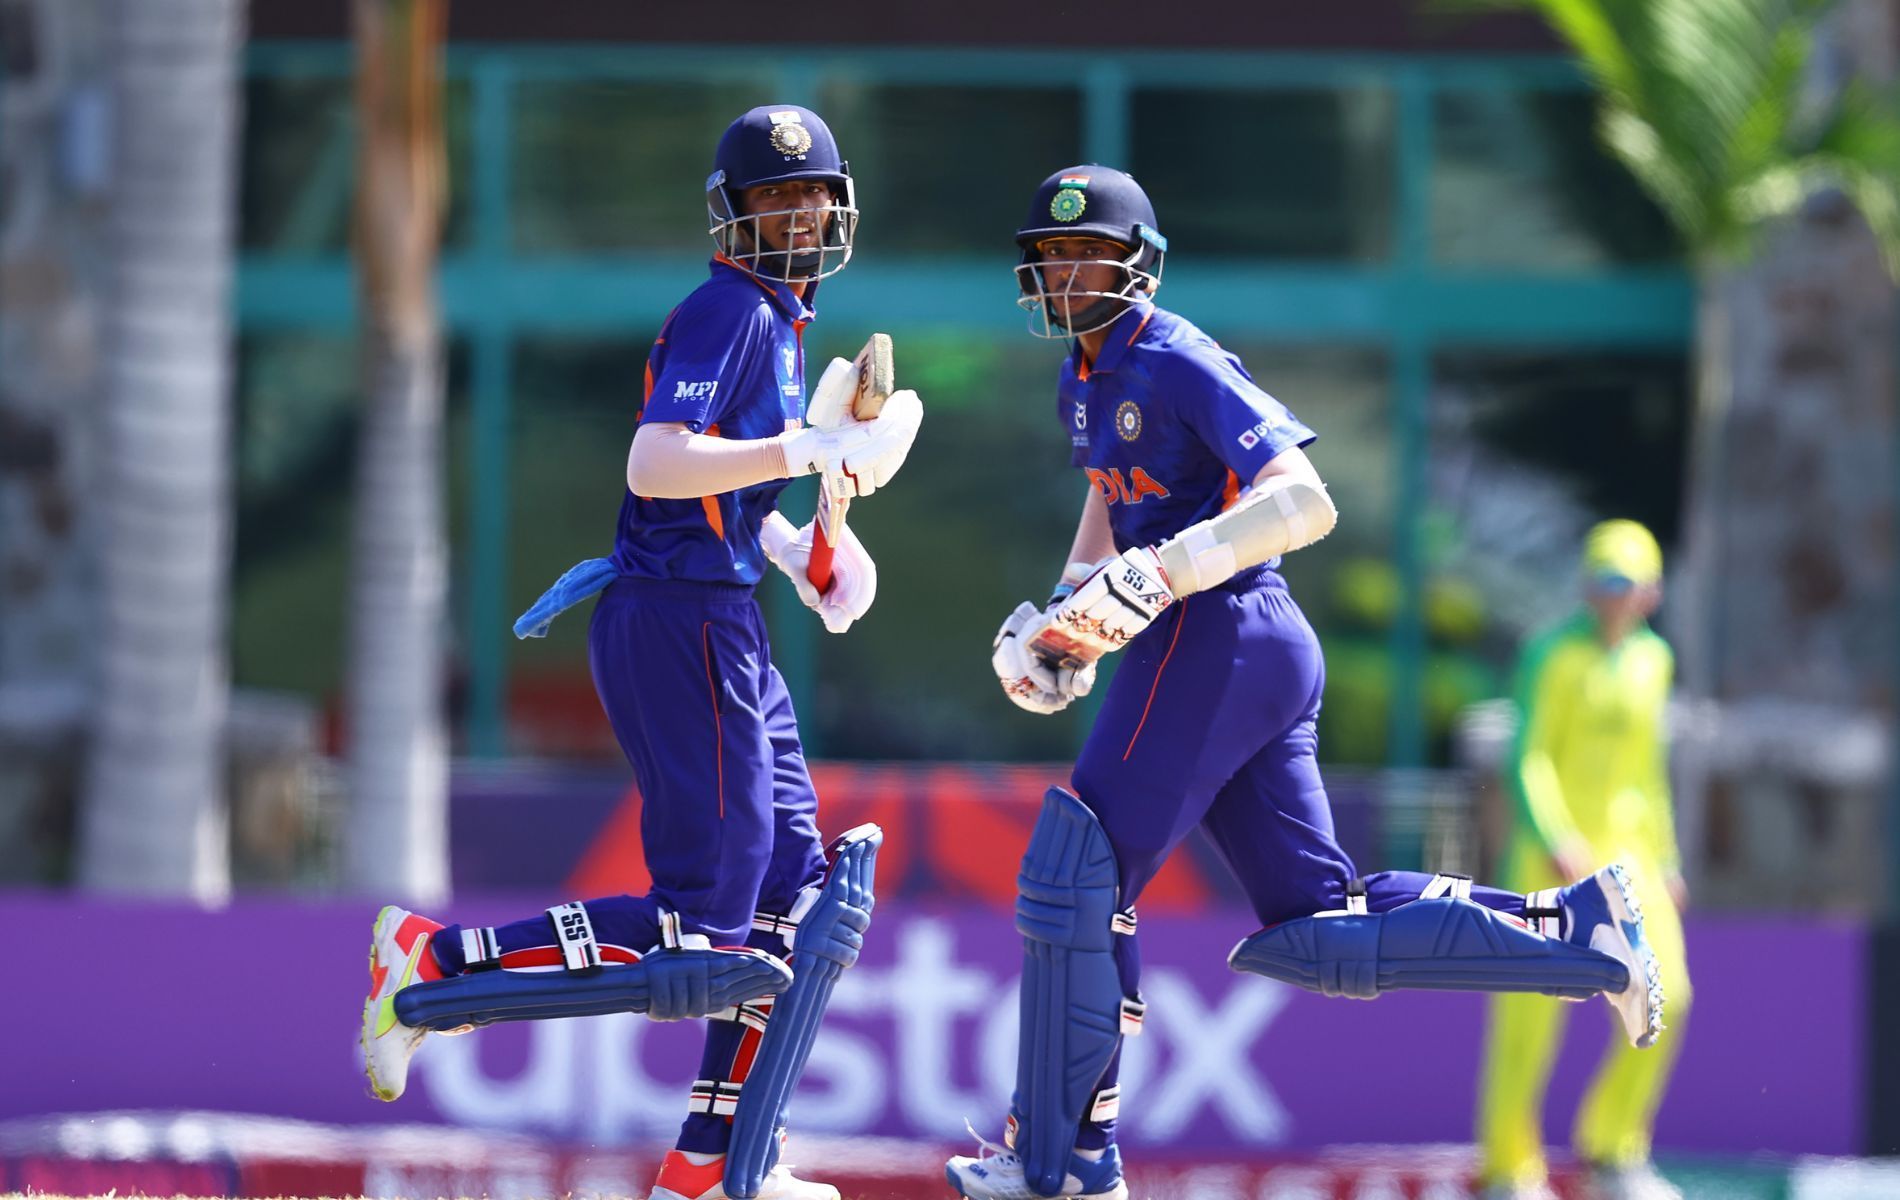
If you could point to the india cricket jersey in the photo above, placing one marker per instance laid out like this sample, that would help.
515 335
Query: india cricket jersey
728 362
1168 425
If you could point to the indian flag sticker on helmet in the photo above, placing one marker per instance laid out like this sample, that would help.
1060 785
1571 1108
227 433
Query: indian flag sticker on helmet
1074 181
1068 204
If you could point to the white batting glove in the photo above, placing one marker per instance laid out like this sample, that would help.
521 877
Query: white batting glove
1030 681
1111 606
853 574
857 457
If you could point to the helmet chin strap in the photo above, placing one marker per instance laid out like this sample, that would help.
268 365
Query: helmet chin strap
1096 316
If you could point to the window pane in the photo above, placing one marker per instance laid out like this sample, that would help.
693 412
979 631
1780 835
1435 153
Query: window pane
1528 451
573 407
299 164
296 448
298 411
949 168
991 402
616 165
1280 174
982 520
1520 180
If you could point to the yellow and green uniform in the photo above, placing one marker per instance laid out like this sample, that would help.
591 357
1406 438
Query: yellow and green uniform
1589 768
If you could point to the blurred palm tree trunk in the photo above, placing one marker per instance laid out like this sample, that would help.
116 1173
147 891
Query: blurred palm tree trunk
398 828
154 814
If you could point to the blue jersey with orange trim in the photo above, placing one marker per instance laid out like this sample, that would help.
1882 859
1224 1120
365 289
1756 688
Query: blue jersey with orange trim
1168 425
728 362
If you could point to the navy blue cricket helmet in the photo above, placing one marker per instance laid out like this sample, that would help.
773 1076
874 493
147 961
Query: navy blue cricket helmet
1089 201
779 143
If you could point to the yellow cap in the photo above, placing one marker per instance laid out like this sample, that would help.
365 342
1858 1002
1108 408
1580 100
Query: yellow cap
1622 548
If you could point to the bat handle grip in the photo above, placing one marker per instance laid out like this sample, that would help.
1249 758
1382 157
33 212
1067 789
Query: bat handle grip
819 569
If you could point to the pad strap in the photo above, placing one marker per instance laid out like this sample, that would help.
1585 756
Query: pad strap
1134 1012
1356 897
574 934
673 935
753 1014
1458 887
1544 912
480 947
714 1097
785 927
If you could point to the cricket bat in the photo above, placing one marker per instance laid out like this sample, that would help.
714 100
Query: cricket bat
877 379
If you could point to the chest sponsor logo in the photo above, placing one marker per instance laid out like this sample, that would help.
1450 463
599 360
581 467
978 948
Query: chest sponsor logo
1137 486
705 390
1128 421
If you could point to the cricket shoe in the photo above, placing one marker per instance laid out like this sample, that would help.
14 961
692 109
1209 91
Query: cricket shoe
682 1179
398 956
996 1173
1601 912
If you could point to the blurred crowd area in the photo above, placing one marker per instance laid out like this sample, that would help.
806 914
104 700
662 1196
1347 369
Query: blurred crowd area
1426 254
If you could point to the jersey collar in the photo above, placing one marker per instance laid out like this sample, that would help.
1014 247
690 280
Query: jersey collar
1121 335
782 295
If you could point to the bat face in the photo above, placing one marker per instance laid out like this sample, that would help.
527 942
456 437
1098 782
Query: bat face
877 377
876 366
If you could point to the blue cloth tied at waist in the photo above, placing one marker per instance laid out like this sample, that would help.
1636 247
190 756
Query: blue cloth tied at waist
580 581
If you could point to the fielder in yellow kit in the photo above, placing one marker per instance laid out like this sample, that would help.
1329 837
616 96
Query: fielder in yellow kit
1589 775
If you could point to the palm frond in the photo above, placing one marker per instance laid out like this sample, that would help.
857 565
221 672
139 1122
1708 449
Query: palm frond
1711 106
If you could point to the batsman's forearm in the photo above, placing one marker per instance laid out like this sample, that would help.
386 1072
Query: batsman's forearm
672 462
1094 539
1277 516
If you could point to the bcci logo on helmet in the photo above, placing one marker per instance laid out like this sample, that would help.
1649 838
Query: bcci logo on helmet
1068 205
789 135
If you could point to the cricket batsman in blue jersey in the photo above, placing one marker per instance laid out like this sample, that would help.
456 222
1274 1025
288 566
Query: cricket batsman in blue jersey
747 922
1198 483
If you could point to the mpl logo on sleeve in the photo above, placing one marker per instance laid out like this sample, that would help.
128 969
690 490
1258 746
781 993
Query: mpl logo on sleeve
704 390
